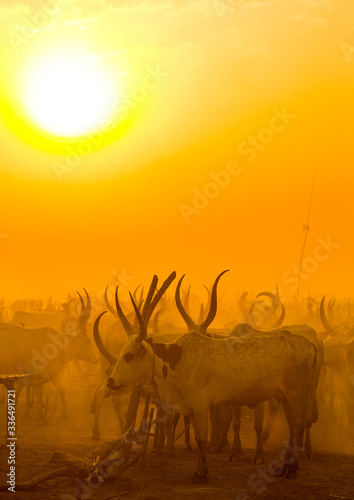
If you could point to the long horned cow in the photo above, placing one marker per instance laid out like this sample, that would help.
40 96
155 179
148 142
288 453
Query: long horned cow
116 337
195 372
43 352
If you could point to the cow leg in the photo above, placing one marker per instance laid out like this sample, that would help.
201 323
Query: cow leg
56 381
295 417
19 387
281 471
175 420
274 406
169 433
28 399
308 446
258 427
200 424
96 406
162 428
117 405
226 413
214 426
186 421
159 433
38 393
236 421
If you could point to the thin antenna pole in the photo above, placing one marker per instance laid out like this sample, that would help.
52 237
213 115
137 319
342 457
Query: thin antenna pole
306 229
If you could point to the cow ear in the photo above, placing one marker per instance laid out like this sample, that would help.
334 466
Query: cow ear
142 351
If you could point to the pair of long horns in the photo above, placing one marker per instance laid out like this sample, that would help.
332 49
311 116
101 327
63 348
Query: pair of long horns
142 317
275 304
212 309
324 320
84 314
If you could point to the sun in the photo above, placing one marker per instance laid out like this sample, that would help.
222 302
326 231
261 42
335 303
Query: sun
68 96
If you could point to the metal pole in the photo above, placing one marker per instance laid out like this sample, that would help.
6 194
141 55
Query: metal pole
306 228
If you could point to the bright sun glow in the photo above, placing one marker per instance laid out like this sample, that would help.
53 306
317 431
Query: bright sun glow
67 96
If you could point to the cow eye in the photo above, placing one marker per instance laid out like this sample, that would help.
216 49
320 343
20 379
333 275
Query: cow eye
128 357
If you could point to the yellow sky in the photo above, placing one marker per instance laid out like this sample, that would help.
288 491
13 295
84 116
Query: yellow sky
74 215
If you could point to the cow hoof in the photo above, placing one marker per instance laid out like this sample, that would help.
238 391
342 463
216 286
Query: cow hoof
258 459
197 479
217 449
290 474
234 455
265 438
280 472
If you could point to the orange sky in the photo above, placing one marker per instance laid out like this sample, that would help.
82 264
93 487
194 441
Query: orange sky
122 207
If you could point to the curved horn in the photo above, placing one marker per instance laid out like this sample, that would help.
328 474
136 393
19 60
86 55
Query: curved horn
158 296
209 297
201 313
136 291
213 303
273 298
143 330
111 358
108 305
279 321
324 320
66 307
136 323
186 301
187 319
331 303
249 317
270 295
149 297
155 323
85 313
242 304
128 327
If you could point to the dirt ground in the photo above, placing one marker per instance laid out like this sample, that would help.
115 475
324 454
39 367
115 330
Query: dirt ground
328 475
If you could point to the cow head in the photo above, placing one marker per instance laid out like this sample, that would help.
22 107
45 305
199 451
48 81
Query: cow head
133 366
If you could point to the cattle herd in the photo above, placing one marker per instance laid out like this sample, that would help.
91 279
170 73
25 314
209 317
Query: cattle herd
267 353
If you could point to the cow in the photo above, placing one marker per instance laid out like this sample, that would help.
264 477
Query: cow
195 372
43 352
62 321
115 338
337 368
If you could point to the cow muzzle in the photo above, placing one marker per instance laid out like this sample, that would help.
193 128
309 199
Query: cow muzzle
110 385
